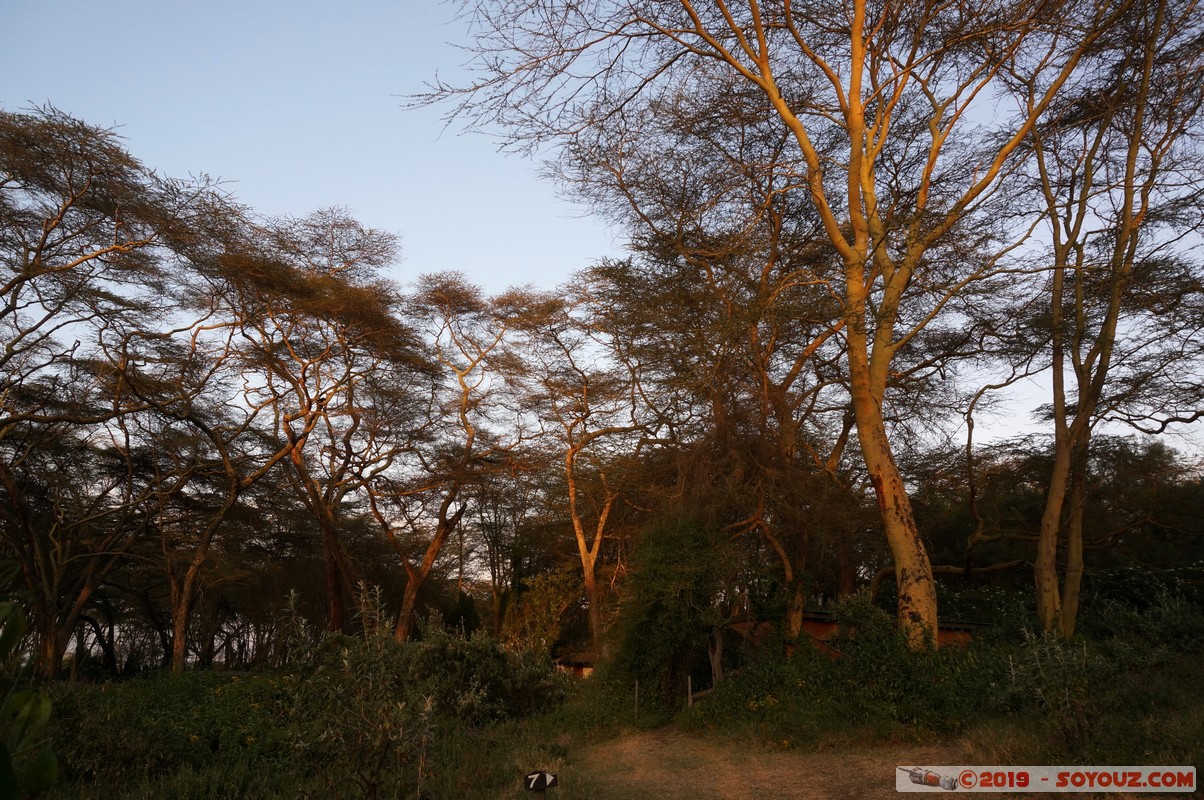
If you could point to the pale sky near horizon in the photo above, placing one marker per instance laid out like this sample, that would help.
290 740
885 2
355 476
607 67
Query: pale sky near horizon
299 105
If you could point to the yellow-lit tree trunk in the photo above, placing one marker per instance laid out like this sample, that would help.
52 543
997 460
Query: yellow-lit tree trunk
917 612
416 574
588 546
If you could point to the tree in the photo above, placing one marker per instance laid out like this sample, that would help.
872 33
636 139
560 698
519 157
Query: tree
420 502
895 88
336 366
514 542
727 311
70 510
590 407
256 312
94 248
1119 184
97 254
1139 506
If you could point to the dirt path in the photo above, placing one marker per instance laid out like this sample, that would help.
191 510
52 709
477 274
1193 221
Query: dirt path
668 764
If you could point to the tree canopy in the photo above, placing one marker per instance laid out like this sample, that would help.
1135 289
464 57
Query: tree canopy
851 225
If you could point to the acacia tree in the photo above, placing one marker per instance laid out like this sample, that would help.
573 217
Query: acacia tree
1119 179
97 254
70 509
86 248
328 350
250 315
729 307
513 543
899 90
419 502
589 405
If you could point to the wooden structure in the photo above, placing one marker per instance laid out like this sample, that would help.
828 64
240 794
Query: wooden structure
822 627
580 665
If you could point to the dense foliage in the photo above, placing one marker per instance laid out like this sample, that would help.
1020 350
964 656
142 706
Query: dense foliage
358 717
349 716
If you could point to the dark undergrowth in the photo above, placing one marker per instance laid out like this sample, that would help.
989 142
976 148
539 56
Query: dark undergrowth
1132 693
457 717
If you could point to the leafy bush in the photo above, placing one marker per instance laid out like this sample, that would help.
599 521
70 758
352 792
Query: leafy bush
887 684
1163 619
472 679
1060 679
1005 612
114 735
351 725
358 716
668 610
1129 691
876 687
27 762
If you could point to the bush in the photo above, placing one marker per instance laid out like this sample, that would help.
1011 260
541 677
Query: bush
1125 693
668 610
352 725
474 680
1163 619
355 716
122 733
27 762
1128 694
888 684
1005 612
875 688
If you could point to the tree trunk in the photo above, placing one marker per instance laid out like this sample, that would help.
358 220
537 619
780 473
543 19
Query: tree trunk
336 611
796 599
405 617
588 551
913 570
52 646
1073 582
715 654
792 581
183 594
181 610
417 575
1045 568
108 650
593 596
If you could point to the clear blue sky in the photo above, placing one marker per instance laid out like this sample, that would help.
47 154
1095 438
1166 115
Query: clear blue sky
299 105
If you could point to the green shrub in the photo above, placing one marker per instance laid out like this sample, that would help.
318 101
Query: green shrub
1125 692
348 716
1005 612
116 734
1165 619
473 679
668 610
27 762
349 722
875 688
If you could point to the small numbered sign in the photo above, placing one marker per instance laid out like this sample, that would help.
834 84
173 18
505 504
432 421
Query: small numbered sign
538 781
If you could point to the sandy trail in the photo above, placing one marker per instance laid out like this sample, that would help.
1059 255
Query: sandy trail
667 764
